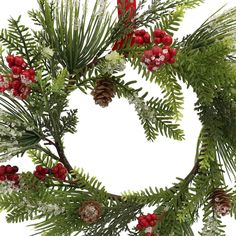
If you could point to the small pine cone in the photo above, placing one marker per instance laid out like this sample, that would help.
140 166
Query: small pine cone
220 201
103 92
90 211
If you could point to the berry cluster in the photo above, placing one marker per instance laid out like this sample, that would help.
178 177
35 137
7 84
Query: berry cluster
58 171
161 53
9 172
160 36
141 37
147 222
21 78
41 172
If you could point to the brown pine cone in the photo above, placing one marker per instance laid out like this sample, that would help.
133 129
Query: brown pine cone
103 92
90 211
220 202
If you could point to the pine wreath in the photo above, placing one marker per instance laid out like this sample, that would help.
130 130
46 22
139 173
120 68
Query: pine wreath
75 49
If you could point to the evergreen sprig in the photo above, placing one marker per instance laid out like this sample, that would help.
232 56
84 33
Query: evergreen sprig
19 39
68 52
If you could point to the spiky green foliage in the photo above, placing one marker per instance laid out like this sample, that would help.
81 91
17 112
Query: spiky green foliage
19 39
69 49
65 29
19 128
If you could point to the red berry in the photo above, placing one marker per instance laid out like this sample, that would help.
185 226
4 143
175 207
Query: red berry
10 65
157 40
57 175
141 218
15 93
26 74
154 216
63 177
55 169
19 61
150 67
139 227
10 59
62 171
148 53
144 223
158 33
15 169
167 40
115 46
138 40
60 166
157 51
173 52
166 47
39 168
2 177
149 217
142 32
167 57
16 70
15 178
31 71
16 84
148 234
9 169
10 177
137 33
172 60
147 38
2 170
152 223
36 173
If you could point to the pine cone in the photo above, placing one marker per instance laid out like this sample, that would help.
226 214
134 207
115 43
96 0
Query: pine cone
220 201
90 211
103 92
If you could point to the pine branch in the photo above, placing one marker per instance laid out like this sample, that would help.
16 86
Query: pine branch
18 38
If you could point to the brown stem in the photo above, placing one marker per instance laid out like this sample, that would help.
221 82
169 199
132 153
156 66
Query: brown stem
49 142
69 168
62 156
193 172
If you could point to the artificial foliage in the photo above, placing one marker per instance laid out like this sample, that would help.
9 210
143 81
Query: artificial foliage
73 48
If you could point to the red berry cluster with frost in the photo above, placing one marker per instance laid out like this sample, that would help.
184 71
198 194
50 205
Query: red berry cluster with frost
19 82
161 53
59 172
141 37
147 222
9 172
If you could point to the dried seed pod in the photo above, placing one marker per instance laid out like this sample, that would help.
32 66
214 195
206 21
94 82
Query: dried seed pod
103 92
220 201
90 211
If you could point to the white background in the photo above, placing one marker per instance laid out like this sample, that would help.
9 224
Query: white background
111 144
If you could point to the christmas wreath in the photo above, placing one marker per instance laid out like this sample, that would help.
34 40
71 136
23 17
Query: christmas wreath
74 49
